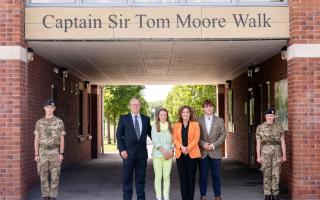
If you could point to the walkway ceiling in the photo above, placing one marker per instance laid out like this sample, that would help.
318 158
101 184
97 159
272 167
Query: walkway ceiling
157 62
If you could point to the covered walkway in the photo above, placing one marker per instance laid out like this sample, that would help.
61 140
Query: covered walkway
101 179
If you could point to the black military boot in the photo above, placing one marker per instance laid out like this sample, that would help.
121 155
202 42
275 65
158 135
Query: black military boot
267 197
275 197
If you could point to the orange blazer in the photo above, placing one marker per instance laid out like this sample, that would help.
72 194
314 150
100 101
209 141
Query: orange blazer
193 139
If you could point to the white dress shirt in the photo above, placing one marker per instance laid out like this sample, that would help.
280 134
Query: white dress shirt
209 120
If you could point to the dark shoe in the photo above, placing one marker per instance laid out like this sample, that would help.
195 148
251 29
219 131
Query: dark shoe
217 198
267 197
275 197
53 198
46 198
203 198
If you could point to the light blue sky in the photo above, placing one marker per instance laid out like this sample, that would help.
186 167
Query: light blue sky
156 92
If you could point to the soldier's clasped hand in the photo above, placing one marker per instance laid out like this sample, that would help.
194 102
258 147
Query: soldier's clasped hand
37 158
60 157
259 160
284 158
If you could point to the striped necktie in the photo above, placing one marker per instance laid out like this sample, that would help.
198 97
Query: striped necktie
136 126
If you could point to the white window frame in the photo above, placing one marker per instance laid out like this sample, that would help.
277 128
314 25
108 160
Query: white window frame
80 3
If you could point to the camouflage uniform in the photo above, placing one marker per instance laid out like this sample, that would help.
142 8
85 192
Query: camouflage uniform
49 132
270 135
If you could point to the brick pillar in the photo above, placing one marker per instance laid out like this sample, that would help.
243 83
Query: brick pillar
221 108
94 120
221 97
13 100
304 98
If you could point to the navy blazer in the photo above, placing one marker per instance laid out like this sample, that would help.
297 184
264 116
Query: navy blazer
127 139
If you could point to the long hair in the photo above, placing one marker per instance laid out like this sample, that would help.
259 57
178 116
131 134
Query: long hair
192 115
158 120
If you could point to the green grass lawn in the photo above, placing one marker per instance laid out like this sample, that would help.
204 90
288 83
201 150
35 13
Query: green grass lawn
110 148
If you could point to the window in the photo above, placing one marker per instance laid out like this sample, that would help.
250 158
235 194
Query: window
209 1
80 122
256 1
104 1
261 103
156 1
281 102
251 111
268 93
230 112
89 113
53 1
132 2
54 93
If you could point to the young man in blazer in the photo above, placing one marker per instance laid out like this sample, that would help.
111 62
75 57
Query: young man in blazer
212 136
132 133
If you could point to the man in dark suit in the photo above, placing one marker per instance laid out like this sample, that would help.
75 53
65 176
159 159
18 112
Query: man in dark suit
212 137
132 132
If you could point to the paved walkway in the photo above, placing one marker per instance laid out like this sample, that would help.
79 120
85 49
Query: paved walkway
101 179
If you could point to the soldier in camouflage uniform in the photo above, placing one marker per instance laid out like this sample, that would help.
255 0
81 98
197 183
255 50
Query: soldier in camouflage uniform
49 148
271 151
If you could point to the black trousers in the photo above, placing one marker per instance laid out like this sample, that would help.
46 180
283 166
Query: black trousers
187 168
138 167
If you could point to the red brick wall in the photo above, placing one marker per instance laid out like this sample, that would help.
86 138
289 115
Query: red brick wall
40 78
12 23
13 101
13 116
303 101
304 112
23 90
221 108
68 111
272 70
304 21
237 142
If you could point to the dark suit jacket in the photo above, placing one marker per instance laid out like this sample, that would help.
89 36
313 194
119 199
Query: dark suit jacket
216 136
127 139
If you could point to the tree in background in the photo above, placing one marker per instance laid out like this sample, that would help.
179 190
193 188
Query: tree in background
192 95
154 107
116 103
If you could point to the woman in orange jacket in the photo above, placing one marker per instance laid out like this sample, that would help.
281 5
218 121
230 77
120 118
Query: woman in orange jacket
186 135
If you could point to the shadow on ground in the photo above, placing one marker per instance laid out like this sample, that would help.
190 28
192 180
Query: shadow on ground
101 179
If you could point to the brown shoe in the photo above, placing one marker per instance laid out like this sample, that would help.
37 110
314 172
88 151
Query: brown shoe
217 198
203 198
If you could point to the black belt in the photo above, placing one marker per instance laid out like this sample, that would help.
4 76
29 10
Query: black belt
270 143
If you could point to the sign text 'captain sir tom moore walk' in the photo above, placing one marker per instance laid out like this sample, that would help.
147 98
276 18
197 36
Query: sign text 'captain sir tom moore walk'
174 22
